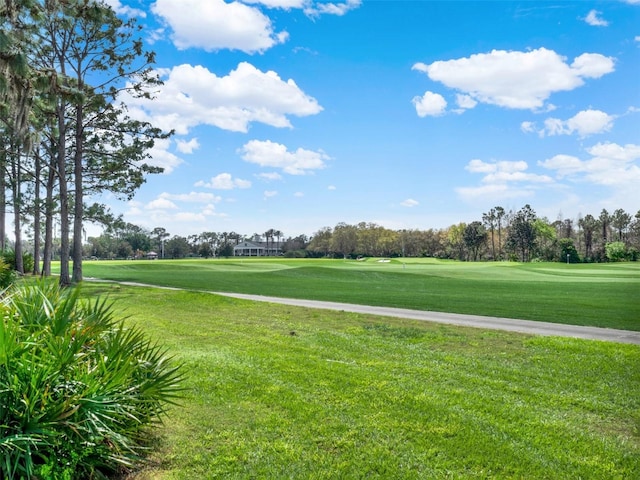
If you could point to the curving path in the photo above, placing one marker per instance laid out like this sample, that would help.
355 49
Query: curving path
476 321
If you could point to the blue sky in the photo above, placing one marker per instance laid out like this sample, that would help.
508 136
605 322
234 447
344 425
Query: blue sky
297 114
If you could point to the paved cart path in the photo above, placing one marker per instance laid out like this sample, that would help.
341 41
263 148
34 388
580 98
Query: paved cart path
477 321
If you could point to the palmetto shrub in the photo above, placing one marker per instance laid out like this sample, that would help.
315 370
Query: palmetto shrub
9 257
78 389
7 274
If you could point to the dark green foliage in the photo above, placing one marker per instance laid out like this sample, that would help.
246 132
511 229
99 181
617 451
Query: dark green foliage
177 247
568 252
78 390
296 254
226 250
474 236
9 257
7 274
522 234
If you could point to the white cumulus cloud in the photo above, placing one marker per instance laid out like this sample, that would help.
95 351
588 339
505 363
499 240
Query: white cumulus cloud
224 181
430 104
515 79
187 146
502 180
270 154
161 204
193 95
594 19
270 177
528 127
215 24
609 164
332 8
270 193
410 202
584 123
465 101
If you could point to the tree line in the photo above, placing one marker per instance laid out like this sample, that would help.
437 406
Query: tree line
499 235
64 132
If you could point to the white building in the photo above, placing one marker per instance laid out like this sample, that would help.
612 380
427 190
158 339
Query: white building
257 249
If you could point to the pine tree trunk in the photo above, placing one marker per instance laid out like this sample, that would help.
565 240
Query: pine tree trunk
65 280
36 217
48 226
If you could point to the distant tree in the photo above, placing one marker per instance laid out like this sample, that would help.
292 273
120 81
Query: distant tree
546 239
321 241
455 237
158 236
500 214
616 251
605 223
124 250
522 233
226 249
475 236
567 228
205 250
589 226
344 239
269 236
139 240
568 251
635 232
489 220
235 237
177 247
620 220
278 234
368 236
208 244
388 242
296 244
105 246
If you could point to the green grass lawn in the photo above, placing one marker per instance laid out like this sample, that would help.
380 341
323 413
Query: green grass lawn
276 391
603 295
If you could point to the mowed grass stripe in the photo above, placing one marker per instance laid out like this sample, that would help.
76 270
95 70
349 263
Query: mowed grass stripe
597 295
285 392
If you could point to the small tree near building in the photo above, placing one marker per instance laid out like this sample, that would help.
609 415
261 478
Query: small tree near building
177 247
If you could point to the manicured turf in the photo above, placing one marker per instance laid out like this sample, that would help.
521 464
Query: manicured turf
277 391
603 295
